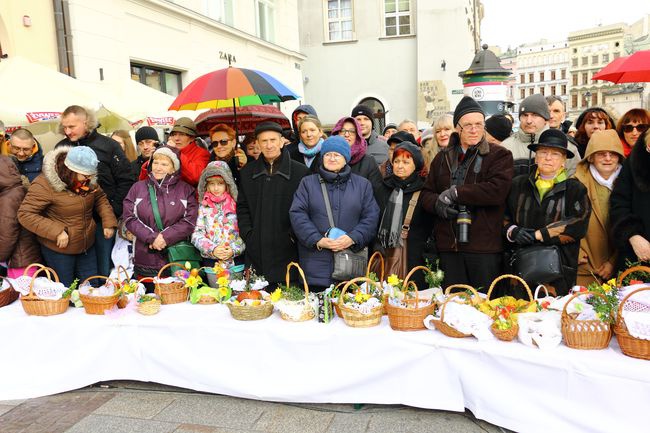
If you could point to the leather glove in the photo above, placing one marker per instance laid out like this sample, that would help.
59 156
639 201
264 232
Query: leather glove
523 236
446 200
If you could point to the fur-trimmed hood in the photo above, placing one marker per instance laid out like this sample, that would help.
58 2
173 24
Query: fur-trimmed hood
50 172
640 163
217 168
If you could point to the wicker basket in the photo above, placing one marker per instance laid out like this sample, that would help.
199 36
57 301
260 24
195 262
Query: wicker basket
124 300
307 312
354 317
505 334
35 306
99 304
412 317
508 334
149 308
584 334
250 312
171 293
8 295
631 346
376 256
440 325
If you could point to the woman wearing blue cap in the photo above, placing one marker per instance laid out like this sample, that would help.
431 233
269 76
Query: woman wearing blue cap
354 212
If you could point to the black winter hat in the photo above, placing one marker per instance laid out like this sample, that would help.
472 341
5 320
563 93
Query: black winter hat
581 118
267 126
146 133
362 110
553 138
415 152
400 136
465 106
499 126
387 127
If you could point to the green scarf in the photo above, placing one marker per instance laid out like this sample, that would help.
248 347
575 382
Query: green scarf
545 185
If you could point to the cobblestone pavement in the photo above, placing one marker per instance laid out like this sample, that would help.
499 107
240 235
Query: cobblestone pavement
137 407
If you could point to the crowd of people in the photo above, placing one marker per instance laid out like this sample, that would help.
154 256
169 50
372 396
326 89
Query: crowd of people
467 193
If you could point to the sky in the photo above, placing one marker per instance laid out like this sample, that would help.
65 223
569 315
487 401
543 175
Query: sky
514 22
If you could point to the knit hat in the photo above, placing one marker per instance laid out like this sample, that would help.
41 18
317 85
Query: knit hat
415 152
170 153
553 138
426 134
400 136
581 118
535 104
217 168
146 133
387 127
186 126
363 110
337 144
465 106
499 126
83 160
267 126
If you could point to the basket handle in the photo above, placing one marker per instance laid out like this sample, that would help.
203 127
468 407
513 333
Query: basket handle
382 267
48 271
461 286
619 316
514 277
444 304
575 295
407 278
354 282
167 266
541 286
122 269
33 265
96 277
628 271
302 275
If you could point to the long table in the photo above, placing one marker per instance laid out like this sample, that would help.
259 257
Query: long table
201 347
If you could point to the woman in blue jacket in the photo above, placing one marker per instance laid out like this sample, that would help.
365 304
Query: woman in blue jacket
354 211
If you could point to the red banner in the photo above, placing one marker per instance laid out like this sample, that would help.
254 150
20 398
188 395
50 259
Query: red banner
35 116
160 121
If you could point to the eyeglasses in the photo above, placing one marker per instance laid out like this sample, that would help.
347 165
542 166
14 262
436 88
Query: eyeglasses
333 155
223 142
473 126
348 131
555 154
23 150
641 127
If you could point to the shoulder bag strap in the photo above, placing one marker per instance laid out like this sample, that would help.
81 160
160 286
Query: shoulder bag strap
154 207
409 213
326 197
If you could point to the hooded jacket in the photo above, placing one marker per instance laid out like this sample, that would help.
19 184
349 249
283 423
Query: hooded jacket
50 207
194 159
377 147
114 169
215 227
483 192
18 246
524 158
263 203
597 247
629 202
30 167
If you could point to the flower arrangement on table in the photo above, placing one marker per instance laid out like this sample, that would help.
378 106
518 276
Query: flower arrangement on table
148 304
248 300
199 291
366 297
295 304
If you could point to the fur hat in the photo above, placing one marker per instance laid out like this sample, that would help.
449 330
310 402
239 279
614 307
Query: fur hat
499 126
535 104
465 106
363 110
553 138
186 126
415 152
146 133
337 144
82 159
170 153
217 168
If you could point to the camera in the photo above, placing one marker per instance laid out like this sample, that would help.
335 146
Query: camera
463 220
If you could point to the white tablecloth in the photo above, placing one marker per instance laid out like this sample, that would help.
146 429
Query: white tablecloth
201 347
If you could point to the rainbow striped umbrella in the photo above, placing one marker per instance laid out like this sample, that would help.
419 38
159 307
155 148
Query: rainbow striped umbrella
230 87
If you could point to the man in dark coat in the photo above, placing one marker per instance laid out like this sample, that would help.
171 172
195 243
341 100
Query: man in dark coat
470 174
26 152
267 186
113 171
377 146
146 138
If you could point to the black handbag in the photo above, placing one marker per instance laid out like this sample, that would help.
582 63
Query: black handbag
348 264
537 264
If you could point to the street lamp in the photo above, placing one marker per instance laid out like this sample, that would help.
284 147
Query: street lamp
588 97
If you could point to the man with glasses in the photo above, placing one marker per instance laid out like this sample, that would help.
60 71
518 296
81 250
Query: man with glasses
467 189
26 153
534 116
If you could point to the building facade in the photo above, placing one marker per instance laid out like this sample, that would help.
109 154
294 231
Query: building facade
388 55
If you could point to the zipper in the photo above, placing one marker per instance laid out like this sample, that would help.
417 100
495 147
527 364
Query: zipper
83 207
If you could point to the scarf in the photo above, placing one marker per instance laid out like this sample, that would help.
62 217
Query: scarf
309 153
227 203
607 183
81 188
390 227
545 185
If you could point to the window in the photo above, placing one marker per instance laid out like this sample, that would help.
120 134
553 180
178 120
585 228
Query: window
397 17
574 101
594 60
339 20
219 10
165 80
606 58
574 62
585 78
583 62
531 90
531 77
541 76
563 89
264 19
522 78
522 93
552 75
617 55
575 79
594 99
563 74
553 88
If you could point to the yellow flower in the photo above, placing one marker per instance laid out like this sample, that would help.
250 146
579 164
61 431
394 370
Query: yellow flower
360 297
222 281
276 295
223 292
393 280
607 288
612 282
191 281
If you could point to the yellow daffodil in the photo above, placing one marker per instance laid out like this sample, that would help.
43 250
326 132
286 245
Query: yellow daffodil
607 287
393 280
191 281
276 295
223 292
360 297
222 282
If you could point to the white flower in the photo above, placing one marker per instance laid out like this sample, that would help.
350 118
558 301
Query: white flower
238 285
259 284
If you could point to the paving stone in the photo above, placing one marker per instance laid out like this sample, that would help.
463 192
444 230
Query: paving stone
115 424
213 410
349 423
195 428
143 405
12 402
4 408
421 421
280 418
